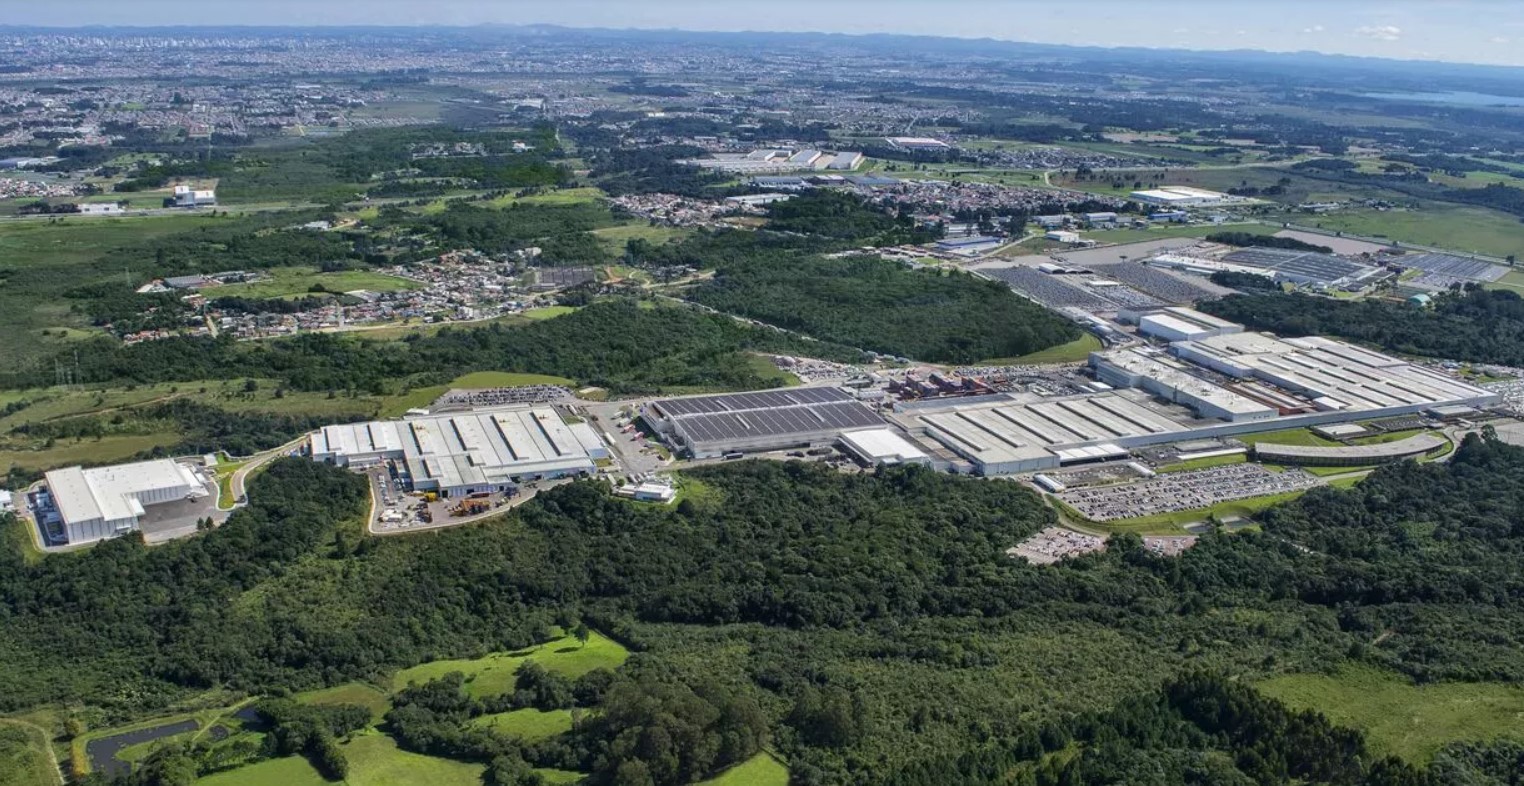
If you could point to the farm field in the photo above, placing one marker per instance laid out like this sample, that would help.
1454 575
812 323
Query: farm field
350 693
613 238
1400 718
293 282
290 771
494 674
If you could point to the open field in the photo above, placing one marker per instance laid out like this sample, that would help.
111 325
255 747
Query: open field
1293 436
1073 352
350 693
1400 718
291 282
106 450
375 760
1206 463
494 674
529 724
1114 236
613 238
564 196
397 332
290 771
1513 279
760 770
1464 229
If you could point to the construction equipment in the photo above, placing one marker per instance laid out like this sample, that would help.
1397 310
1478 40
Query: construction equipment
471 507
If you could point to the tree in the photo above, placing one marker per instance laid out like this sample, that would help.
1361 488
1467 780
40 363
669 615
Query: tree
581 633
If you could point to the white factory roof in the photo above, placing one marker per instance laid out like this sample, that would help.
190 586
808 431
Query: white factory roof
1168 372
109 493
462 449
1008 431
1202 318
1334 374
884 446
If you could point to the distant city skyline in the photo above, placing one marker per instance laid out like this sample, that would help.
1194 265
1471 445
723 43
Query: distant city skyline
1465 31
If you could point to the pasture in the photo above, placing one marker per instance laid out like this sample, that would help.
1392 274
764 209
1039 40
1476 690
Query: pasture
493 674
1402 719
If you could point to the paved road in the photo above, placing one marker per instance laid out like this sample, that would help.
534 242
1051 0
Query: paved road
241 475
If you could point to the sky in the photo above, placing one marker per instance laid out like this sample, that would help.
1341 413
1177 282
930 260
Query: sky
1469 31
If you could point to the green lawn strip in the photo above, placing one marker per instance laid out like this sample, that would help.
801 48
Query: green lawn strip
1173 523
1206 463
1400 718
288 282
528 724
1073 352
762 769
493 674
505 379
1296 436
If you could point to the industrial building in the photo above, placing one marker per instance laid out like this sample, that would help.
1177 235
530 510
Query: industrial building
712 426
104 502
1184 324
185 196
1183 196
882 447
1350 455
464 454
772 161
1216 386
918 143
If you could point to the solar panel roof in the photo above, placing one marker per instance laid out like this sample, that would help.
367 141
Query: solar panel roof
777 421
741 402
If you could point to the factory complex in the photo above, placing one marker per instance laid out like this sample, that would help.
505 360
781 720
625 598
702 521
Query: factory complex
469 453
1218 386
779 160
104 502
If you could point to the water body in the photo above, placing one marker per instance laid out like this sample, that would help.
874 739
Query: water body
102 752
1456 97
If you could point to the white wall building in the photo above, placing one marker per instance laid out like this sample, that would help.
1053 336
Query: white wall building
105 502
1184 324
882 447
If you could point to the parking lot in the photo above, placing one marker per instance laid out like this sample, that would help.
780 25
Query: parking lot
1184 491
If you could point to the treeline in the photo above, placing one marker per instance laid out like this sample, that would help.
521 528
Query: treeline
1252 240
1233 279
614 344
1480 325
874 621
883 306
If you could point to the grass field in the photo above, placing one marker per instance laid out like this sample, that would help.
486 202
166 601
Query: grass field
1114 236
25 757
564 196
1513 279
1174 523
375 760
1294 436
45 258
1073 352
766 369
1403 719
106 450
548 312
1464 229
290 771
350 693
494 674
1206 463
529 724
292 282
759 770
613 238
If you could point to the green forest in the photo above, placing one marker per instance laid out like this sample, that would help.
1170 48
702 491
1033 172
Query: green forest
1480 325
869 628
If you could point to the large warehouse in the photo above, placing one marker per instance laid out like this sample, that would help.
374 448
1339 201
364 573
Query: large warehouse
1184 324
104 502
459 455
1303 267
1271 384
710 426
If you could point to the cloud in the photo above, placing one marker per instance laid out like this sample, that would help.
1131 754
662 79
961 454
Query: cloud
1313 29
1380 32
1497 39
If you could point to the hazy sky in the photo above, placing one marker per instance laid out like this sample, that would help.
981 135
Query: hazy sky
1480 31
